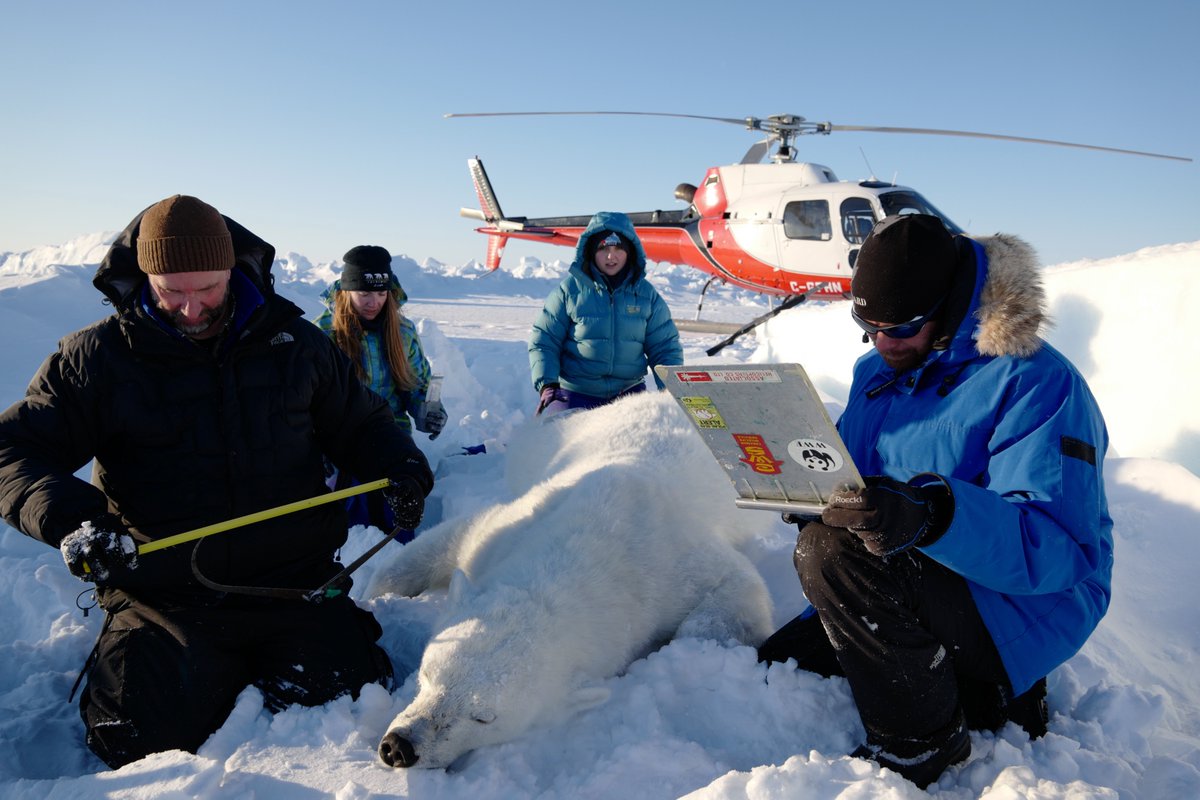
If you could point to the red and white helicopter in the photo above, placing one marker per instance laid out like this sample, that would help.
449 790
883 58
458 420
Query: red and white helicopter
783 228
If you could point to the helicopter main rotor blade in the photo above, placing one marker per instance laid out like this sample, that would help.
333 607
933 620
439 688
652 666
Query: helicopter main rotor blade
746 121
828 126
785 126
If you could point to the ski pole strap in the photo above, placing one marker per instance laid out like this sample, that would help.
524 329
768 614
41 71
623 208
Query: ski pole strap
258 516
90 661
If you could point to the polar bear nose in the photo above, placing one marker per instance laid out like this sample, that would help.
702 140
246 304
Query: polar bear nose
396 751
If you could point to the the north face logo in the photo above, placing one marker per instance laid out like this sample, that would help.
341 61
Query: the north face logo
283 337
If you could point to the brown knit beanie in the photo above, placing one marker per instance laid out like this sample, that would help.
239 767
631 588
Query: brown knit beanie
183 234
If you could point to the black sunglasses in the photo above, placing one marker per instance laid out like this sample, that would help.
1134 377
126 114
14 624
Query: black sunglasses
901 330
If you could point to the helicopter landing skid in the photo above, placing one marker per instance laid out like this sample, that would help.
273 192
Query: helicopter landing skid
706 326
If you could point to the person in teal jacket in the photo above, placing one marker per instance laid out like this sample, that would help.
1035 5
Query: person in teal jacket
362 316
979 555
603 326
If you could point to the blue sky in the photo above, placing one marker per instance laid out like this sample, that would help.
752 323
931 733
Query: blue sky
320 125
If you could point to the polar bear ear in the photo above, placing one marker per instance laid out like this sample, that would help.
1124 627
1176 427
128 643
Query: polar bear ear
460 586
587 697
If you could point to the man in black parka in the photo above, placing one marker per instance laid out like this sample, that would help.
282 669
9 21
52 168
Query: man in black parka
205 397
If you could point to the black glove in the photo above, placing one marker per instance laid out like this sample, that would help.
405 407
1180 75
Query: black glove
100 549
798 519
407 502
890 516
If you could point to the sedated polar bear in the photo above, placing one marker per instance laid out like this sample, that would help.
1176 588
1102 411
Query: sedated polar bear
621 536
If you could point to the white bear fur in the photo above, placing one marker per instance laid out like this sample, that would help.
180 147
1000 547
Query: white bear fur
621 536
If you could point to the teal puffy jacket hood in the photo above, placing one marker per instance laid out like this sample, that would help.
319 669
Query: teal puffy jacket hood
609 221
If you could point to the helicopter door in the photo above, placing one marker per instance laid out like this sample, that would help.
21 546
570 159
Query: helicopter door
806 242
857 220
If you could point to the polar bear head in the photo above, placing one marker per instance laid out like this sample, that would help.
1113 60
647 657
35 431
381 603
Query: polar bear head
479 683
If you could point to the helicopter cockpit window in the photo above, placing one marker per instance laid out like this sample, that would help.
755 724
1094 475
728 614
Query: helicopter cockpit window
857 219
913 203
807 219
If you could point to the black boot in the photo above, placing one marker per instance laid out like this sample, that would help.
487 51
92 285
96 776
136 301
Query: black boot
984 703
921 761
803 639
1029 710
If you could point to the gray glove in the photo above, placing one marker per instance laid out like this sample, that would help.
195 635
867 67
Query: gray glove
431 418
98 549
889 516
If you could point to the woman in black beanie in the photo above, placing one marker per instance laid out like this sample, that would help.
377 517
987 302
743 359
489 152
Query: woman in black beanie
363 318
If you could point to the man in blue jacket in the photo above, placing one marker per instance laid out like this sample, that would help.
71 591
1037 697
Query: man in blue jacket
979 555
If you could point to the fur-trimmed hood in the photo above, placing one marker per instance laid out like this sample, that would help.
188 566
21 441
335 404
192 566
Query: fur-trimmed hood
997 304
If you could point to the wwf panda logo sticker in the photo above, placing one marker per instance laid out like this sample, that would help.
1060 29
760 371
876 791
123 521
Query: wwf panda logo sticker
815 455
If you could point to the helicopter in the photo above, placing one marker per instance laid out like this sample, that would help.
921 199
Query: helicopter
784 228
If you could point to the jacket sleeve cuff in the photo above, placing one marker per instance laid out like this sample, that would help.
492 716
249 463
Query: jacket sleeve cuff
940 498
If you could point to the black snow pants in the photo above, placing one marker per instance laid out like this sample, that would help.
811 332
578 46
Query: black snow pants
907 636
167 679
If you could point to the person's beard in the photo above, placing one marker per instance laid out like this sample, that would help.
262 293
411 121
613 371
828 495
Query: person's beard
905 354
903 362
208 319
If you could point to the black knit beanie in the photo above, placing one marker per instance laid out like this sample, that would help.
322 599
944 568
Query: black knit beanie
366 268
183 234
905 267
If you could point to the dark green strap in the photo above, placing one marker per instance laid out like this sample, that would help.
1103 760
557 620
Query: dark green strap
326 591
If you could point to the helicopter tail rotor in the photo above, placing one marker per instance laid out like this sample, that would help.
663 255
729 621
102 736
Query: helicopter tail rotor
488 203
489 212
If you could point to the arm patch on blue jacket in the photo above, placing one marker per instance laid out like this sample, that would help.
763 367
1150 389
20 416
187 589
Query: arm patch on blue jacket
1075 448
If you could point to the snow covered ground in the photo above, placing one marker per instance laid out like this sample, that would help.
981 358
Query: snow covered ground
695 718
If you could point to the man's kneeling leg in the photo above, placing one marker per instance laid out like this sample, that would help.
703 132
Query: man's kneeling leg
318 652
155 686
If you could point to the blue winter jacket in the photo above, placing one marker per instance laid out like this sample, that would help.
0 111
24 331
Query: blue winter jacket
374 360
1014 430
599 342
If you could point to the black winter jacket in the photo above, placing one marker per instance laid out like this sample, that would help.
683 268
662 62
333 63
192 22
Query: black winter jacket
183 437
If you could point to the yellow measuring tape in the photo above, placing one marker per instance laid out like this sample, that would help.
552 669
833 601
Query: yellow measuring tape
258 516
